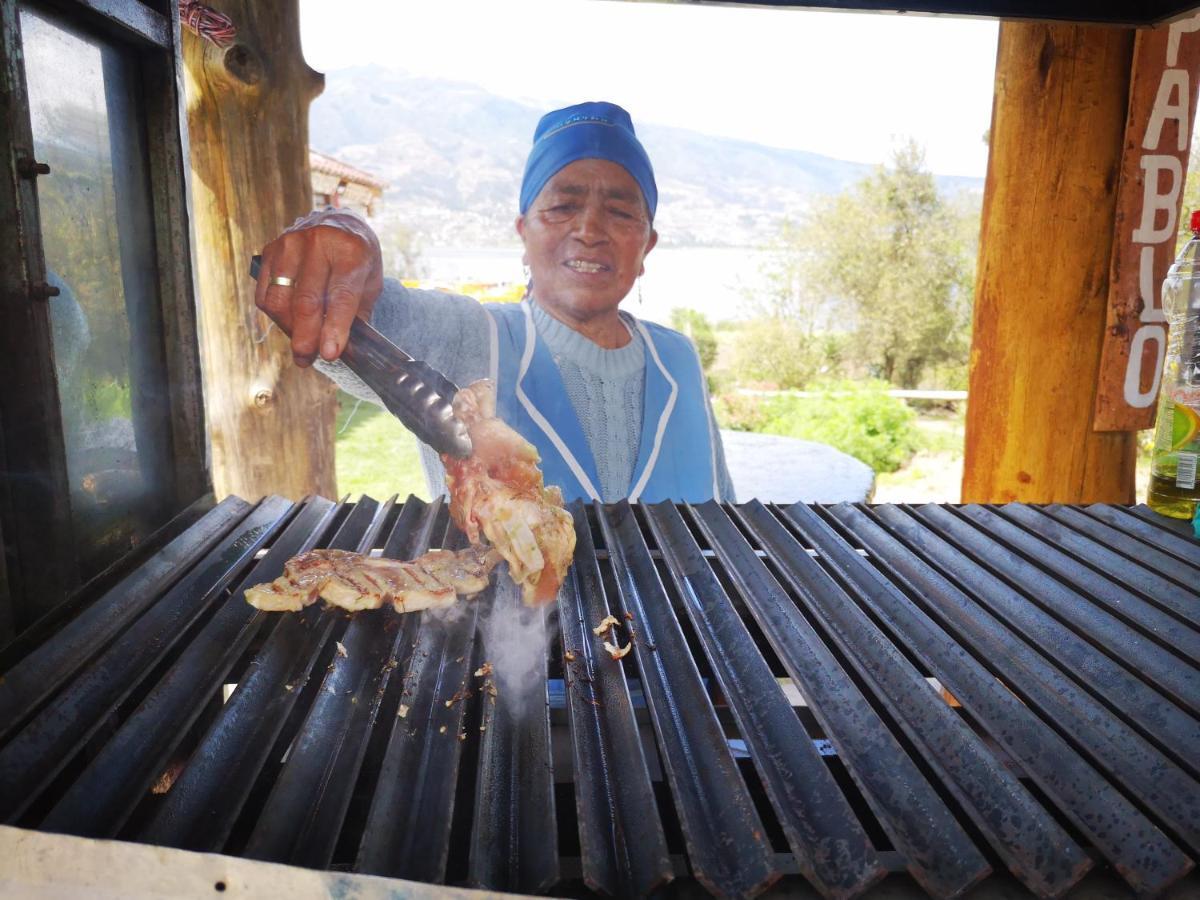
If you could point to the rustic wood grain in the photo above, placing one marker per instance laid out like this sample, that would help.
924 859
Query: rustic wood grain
167 151
43 866
1058 123
1126 303
271 424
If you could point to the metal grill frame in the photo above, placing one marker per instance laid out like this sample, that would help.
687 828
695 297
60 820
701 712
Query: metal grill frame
816 694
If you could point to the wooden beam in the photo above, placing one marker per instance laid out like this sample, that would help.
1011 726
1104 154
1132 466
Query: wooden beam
1041 297
34 864
271 423
1113 12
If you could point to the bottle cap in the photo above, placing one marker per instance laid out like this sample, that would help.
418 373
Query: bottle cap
1195 221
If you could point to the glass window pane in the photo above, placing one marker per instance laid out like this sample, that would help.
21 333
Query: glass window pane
96 222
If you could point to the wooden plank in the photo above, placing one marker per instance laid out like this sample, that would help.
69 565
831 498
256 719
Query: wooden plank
35 865
1158 133
1146 12
167 148
271 423
1041 293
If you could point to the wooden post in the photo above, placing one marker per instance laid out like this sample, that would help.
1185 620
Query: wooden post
1041 296
271 423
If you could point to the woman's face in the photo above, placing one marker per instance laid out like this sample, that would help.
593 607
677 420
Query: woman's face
585 237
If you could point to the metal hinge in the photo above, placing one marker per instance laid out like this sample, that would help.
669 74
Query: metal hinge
39 290
28 167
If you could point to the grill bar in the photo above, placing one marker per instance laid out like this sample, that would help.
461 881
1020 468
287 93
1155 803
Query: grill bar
55 621
1137 577
514 842
99 803
1148 858
41 750
830 846
1178 527
623 847
200 811
1134 609
727 844
1167 791
1033 846
941 857
303 815
1076 610
39 674
961 691
1111 537
1112 682
407 833
178 699
1181 546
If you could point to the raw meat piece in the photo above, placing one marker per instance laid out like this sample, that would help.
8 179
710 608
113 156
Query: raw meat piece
498 491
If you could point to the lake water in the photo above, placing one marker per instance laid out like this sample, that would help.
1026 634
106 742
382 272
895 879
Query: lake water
713 280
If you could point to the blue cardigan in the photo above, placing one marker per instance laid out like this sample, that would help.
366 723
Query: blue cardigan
676 457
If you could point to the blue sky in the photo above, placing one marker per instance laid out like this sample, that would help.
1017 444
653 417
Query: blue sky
849 85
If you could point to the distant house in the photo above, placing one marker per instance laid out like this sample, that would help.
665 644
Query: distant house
334 183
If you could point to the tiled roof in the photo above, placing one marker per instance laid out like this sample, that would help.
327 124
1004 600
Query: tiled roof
327 165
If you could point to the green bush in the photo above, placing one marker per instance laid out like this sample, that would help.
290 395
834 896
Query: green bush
857 418
740 412
109 399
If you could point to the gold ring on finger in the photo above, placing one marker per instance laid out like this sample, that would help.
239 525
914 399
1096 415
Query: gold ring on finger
283 280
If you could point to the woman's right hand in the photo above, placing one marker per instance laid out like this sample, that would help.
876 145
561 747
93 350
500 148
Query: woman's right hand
335 264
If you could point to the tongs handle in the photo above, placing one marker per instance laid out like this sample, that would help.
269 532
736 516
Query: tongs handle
413 391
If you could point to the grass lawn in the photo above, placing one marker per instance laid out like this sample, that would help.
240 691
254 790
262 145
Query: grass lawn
375 454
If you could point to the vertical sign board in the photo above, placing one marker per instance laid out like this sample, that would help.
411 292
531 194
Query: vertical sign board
1158 131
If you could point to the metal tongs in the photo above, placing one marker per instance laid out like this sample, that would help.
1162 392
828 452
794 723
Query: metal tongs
412 390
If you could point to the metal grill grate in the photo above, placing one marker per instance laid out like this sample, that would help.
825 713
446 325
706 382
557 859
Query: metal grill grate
817 693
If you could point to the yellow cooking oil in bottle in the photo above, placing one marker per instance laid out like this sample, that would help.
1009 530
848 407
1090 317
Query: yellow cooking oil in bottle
1174 485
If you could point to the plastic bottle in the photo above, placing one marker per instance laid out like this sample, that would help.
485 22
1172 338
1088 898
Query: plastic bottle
1174 480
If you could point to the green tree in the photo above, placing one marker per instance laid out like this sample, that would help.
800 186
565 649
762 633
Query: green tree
1191 196
792 336
696 326
893 261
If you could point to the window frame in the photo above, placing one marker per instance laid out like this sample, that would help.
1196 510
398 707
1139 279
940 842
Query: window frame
35 514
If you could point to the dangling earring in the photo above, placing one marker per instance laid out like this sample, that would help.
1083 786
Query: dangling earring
639 291
528 278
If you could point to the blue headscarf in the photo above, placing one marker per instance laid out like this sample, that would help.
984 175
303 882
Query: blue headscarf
586 131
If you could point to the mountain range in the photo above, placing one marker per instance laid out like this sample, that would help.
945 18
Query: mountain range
452 155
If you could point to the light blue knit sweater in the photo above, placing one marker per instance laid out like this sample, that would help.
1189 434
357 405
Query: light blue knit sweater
451 333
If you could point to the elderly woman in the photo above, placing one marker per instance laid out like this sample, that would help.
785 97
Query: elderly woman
616 407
